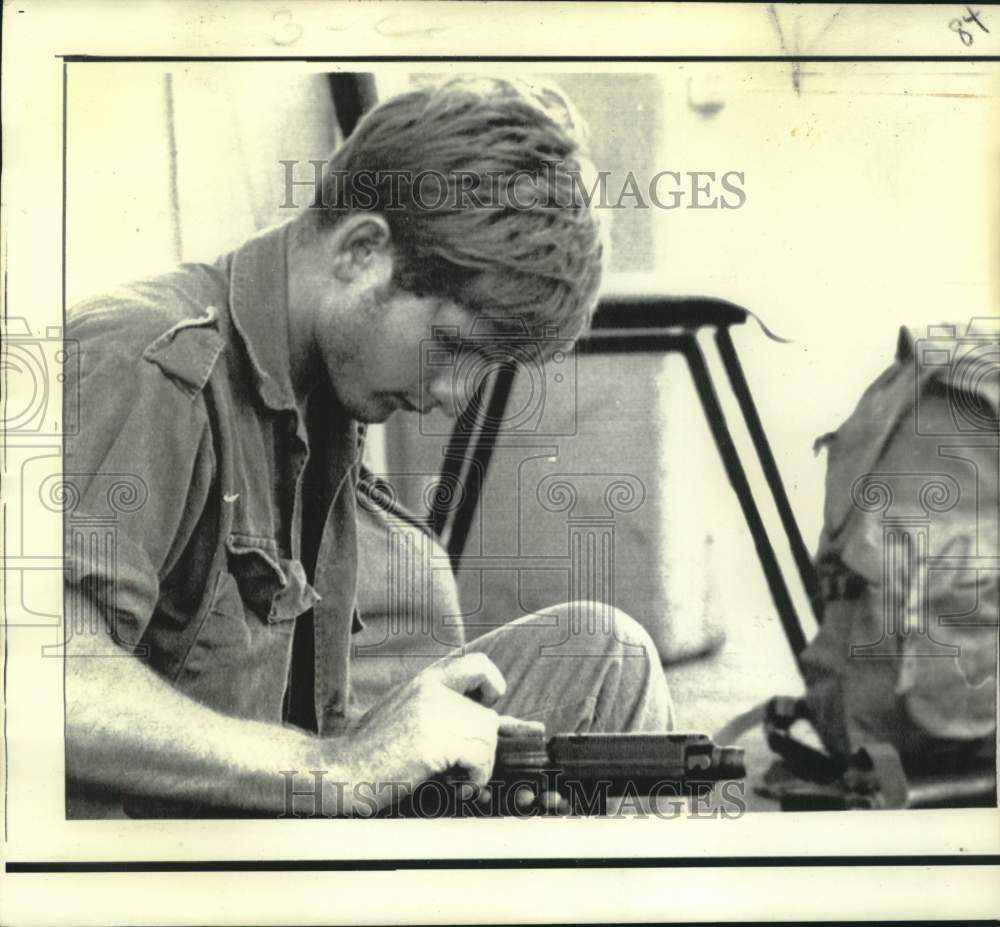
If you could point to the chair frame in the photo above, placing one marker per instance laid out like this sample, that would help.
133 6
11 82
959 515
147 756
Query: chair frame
646 325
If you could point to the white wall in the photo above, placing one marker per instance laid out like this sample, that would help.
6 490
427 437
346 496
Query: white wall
871 202
181 163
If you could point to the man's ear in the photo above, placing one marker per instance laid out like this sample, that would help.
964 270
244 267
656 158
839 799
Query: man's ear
359 245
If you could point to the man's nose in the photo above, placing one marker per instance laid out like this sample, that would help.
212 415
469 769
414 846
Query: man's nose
443 393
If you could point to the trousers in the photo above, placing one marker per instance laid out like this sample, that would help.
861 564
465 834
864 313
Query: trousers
576 667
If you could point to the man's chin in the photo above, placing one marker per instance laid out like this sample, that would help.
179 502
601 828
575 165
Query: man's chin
380 417
376 411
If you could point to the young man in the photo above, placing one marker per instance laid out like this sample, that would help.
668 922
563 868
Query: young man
230 400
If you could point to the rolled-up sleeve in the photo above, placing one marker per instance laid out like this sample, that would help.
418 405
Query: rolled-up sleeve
137 476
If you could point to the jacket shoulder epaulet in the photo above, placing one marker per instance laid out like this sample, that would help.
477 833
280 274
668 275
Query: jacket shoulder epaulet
187 351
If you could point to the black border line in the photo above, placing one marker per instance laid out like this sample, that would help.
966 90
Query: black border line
65 148
529 59
502 863
567 862
62 417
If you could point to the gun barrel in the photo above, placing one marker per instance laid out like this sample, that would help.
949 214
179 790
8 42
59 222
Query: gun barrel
637 761
729 763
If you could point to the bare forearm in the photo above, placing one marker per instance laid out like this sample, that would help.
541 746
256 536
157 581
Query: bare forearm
129 730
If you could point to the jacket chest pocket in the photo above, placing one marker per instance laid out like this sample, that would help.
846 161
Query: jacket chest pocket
237 661
272 588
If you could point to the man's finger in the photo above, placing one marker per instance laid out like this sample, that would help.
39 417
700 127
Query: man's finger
553 803
524 799
546 802
474 672
509 726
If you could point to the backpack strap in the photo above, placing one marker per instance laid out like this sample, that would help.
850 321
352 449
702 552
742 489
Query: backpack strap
780 713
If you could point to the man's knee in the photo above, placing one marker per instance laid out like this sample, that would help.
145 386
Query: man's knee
624 647
584 656
598 629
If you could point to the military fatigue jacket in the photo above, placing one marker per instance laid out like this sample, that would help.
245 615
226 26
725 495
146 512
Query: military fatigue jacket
184 486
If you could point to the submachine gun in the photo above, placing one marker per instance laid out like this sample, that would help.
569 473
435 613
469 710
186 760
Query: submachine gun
588 770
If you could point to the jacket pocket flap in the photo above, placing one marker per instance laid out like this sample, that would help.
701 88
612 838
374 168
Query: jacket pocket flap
272 586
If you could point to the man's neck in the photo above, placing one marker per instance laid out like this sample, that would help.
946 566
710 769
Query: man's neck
306 367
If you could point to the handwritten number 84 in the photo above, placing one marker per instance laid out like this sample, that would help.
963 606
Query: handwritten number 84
956 25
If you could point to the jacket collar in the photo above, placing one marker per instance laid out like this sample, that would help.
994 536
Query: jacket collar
258 301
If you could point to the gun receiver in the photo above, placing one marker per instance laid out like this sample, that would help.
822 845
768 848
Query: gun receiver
636 763
587 770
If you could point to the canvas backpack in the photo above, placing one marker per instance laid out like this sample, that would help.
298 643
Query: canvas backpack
908 564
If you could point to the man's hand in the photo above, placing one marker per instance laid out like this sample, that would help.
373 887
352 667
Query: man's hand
441 722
